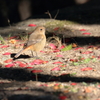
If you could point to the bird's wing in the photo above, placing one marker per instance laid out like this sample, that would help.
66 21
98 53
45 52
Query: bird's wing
35 40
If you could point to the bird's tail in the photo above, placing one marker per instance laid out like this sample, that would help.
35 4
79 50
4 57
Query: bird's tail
21 51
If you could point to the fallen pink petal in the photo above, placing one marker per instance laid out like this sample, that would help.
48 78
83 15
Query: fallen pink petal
32 25
58 62
87 52
5 46
7 53
9 65
55 69
36 71
73 84
59 55
86 33
86 69
52 46
78 48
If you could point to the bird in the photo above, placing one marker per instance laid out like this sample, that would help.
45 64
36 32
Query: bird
35 43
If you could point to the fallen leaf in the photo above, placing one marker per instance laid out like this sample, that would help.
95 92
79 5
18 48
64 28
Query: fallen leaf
55 69
7 53
88 89
9 65
86 69
52 46
32 25
74 45
86 33
69 47
8 60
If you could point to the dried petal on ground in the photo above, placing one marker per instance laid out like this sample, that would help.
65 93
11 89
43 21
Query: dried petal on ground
78 48
59 55
58 62
53 46
36 71
7 53
9 65
22 65
86 33
32 25
82 29
73 84
86 69
87 52
4 46
55 69
8 60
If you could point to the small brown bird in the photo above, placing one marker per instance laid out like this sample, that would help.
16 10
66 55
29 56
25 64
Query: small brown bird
36 41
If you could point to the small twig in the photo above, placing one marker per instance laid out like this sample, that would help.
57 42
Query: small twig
9 22
56 14
48 14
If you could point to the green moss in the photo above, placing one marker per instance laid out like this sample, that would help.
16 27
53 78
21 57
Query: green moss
58 23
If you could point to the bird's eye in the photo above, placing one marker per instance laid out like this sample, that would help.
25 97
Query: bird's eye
41 29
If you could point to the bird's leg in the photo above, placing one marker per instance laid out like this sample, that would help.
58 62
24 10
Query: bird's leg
32 54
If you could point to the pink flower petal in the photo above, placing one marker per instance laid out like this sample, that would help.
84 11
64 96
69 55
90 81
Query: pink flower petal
5 46
7 53
55 69
82 29
57 62
62 47
22 65
59 55
73 84
86 33
86 69
8 60
56 50
87 52
36 71
78 48
52 46
9 65
31 25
